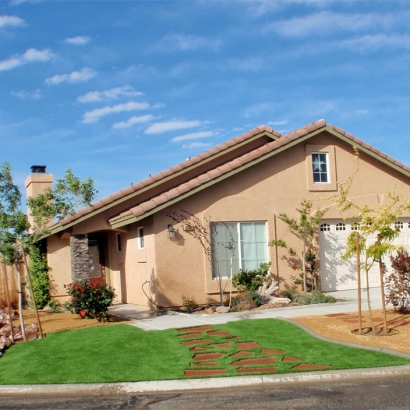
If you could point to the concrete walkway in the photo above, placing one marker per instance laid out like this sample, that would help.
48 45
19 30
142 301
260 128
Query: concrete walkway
150 320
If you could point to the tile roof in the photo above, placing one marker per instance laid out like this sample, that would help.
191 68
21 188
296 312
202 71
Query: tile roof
220 171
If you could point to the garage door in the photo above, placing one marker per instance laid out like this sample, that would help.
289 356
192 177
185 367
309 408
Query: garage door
342 275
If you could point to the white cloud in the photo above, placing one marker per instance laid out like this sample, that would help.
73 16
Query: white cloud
112 94
281 122
258 109
195 145
11 21
161 127
35 95
74 77
77 41
193 136
132 121
30 56
330 22
95 115
376 42
181 42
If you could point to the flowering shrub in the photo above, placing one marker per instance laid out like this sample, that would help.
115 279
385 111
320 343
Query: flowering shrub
90 300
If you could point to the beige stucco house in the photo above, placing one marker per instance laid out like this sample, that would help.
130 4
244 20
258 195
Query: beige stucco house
239 187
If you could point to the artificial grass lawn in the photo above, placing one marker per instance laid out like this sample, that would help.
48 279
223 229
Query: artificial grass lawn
124 353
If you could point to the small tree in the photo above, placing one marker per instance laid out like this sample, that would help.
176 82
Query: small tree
371 223
203 233
305 229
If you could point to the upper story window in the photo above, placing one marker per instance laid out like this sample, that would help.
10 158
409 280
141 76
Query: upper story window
320 167
140 234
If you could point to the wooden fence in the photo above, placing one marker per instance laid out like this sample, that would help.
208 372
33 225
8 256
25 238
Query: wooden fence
8 275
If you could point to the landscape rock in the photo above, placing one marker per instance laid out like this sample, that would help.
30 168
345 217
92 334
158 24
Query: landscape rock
222 309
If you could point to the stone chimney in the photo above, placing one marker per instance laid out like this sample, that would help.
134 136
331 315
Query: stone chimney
37 182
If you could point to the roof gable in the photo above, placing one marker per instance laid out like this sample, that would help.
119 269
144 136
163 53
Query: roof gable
234 156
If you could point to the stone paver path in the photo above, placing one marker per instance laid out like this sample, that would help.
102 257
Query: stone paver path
209 359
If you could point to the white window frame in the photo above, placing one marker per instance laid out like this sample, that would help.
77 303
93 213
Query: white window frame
239 251
319 172
141 238
329 151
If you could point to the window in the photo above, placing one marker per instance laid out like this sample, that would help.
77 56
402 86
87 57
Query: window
398 225
321 168
243 243
140 235
319 165
325 227
355 226
119 247
340 227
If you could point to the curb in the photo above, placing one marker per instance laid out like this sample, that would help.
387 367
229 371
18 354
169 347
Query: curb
110 389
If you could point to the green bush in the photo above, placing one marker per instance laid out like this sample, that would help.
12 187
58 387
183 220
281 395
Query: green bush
313 298
39 277
90 300
251 279
246 300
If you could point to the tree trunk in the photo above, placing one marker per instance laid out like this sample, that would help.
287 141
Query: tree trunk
6 288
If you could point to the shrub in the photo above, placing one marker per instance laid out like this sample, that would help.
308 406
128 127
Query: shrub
251 279
246 300
189 303
397 283
312 298
39 277
90 300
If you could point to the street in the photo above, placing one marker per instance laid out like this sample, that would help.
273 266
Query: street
377 394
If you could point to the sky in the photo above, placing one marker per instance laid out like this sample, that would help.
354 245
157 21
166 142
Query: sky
120 90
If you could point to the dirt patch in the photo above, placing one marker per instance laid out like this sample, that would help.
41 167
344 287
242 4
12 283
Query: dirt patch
339 327
56 322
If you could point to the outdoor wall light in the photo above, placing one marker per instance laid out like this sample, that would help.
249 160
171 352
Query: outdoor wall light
171 231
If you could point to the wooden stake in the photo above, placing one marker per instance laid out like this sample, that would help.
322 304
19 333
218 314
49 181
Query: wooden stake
382 289
359 295
6 286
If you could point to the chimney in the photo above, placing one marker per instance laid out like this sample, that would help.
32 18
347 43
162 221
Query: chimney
37 182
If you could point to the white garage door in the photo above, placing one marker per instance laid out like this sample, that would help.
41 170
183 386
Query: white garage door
342 275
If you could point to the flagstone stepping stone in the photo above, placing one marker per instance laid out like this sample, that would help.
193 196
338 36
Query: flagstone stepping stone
256 369
190 335
291 359
197 342
204 364
242 354
199 373
248 362
272 351
195 329
223 345
199 349
247 345
207 356
310 367
219 333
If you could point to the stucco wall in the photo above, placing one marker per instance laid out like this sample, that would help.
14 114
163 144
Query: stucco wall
58 259
277 185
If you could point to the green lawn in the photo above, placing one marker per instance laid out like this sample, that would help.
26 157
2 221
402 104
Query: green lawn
123 353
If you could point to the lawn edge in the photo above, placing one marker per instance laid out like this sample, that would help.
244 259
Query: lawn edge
340 342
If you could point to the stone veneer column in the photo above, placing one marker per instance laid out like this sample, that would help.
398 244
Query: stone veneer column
80 258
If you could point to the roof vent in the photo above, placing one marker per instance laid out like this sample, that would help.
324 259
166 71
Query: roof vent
38 169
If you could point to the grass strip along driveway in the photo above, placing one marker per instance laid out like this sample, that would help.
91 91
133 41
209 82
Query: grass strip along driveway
123 353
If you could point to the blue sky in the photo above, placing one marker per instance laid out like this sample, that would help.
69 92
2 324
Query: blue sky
118 90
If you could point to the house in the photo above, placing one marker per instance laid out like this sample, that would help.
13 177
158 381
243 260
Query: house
236 192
